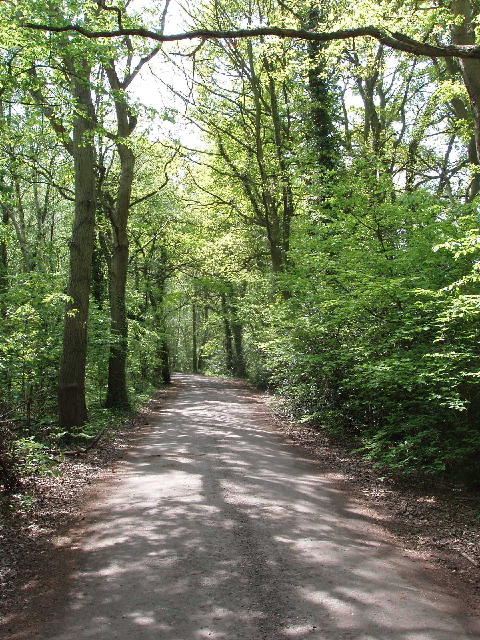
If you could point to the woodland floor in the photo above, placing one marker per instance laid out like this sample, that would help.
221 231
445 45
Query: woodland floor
439 521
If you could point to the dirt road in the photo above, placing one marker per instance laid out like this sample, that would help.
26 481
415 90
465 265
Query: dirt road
214 527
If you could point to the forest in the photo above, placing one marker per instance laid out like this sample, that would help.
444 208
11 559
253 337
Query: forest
283 192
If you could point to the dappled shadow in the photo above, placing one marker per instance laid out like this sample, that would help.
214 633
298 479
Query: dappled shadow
217 530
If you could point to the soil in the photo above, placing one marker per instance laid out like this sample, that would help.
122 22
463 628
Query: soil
440 522
434 518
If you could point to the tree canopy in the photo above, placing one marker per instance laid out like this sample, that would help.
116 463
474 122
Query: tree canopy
317 234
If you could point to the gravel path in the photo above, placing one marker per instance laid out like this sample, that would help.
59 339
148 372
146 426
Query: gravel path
214 527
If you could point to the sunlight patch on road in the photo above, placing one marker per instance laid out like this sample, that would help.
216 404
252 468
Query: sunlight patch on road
210 633
298 631
335 606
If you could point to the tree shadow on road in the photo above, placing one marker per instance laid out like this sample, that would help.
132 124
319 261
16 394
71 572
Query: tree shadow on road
217 530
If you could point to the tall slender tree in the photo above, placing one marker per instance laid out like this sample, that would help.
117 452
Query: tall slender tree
72 407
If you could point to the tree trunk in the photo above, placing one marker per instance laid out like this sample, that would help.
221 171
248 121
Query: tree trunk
473 159
3 265
100 256
228 335
321 125
194 339
164 357
72 408
9 475
239 369
201 351
20 232
156 294
464 34
117 394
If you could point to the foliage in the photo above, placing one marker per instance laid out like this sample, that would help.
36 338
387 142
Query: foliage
34 458
376 341
29 347
322 239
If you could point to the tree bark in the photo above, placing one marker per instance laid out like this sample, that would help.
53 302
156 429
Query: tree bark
321 124
201 361
156 294
228 334
3 265
117 392
464 34
163 355
72 408
20 232
194 339
240 370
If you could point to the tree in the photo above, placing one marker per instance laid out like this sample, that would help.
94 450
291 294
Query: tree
392 39
72 407
465 13
117 395
118 211
250 122
348 283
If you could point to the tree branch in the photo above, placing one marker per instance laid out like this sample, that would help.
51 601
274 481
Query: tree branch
394 40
